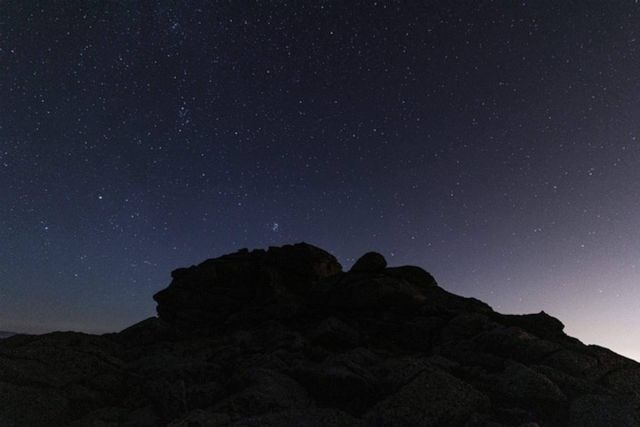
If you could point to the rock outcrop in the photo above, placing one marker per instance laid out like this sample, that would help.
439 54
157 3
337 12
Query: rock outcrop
284 337
371 262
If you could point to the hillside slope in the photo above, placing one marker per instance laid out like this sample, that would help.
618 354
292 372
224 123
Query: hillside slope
284 337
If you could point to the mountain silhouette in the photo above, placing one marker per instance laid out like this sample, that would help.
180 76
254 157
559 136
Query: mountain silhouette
285 337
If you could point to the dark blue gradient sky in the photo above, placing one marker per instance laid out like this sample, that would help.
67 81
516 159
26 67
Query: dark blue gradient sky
493 143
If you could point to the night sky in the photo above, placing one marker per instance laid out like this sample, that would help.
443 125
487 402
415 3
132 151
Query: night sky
494 143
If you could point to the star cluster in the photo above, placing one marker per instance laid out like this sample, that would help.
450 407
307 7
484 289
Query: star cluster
494 143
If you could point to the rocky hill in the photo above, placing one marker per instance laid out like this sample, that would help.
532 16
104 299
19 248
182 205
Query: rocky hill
5 334
284 337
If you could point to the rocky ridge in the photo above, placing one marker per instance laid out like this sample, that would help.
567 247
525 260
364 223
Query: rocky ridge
284 337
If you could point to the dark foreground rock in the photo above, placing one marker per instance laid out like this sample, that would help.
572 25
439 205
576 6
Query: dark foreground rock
284 337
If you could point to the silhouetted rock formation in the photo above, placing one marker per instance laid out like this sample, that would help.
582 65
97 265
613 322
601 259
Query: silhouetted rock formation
371 262
283 337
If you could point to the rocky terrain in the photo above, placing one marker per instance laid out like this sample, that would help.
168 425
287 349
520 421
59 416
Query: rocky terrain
284 337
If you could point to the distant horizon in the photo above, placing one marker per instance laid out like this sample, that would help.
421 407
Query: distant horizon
570 328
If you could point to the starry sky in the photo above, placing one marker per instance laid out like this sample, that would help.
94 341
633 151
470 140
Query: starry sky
494 143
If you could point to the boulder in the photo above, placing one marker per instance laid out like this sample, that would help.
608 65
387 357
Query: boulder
412 274
346 382
371 262
250 286
334 333
380 292
515 343
602 411
262 391
540 324
431 398
523 384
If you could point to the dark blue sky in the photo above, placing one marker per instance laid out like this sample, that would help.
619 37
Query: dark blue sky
493 143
